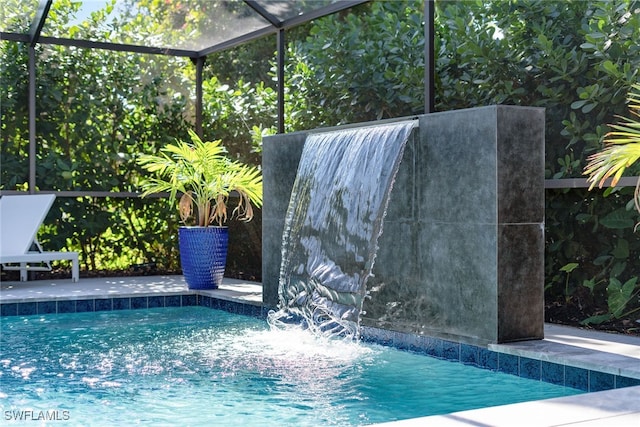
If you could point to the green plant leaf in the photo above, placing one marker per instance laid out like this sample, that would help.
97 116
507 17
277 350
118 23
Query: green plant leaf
601 260
621 250
596 320
576 105
610 67
569 267
619 295
617 269
590 284
589 107
618 219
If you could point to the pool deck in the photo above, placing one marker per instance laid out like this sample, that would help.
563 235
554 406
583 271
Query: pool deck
611 353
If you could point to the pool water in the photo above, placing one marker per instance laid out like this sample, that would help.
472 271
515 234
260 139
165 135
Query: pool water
197 366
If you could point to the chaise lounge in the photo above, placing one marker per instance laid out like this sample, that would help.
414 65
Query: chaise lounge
20 218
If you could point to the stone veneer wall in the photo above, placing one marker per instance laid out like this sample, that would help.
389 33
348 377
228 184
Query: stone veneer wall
462 251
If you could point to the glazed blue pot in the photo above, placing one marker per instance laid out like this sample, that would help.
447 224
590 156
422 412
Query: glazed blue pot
203 254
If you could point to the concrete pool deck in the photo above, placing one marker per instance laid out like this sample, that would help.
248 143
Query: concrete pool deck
610 353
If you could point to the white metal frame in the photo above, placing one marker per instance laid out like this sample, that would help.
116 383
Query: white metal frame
20 219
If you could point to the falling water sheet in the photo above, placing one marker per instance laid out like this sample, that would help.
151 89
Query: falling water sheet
335 216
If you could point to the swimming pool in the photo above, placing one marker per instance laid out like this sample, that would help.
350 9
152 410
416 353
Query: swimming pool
198 366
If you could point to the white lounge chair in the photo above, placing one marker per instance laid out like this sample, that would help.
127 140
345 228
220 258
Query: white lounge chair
20 219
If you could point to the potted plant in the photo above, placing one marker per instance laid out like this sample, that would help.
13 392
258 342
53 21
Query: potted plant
205 178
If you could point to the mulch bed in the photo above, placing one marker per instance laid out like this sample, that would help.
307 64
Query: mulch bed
572 315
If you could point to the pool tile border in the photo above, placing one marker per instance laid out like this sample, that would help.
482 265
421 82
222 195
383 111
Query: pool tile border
127 303
560 374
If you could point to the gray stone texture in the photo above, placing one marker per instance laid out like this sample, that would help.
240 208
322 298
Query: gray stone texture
462 251
280 157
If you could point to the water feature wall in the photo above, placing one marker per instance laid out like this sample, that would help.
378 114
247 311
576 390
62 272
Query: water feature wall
333 223
462 252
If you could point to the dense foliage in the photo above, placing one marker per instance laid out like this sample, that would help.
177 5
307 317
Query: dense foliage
98 110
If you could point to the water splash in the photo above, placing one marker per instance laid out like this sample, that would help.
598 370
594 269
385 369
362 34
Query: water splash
335 215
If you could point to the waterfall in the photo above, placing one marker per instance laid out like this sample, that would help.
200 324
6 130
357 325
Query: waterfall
335 216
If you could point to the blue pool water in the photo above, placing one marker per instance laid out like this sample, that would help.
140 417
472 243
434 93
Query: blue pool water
197 366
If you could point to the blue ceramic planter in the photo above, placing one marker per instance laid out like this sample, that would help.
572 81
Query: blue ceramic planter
203 254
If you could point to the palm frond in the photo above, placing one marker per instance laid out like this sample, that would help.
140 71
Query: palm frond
206 177
622 149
